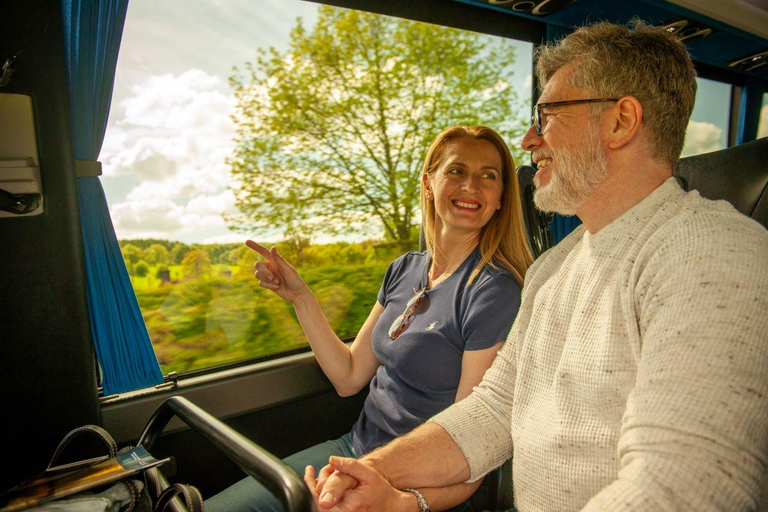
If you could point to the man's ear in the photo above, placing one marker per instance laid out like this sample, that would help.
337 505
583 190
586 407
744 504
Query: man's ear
627 116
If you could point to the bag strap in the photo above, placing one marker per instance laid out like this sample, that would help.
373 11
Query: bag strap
192 497
154 483
93 430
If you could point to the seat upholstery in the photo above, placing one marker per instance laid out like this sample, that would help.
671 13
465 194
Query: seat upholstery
738 174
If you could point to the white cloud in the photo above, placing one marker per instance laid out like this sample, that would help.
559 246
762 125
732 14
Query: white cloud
184 119
702 137
163 218
528 82
146 218
173 134
176 102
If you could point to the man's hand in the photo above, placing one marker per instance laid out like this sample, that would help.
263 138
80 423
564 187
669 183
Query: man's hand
327 471
352 485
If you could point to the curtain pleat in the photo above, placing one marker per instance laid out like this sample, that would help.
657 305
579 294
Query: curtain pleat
92 32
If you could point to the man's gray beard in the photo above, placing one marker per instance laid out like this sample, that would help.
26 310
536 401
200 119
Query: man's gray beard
580 170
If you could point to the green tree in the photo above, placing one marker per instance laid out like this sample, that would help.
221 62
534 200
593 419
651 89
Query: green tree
141 268
196 264
156 254
334 130
177 253
131 253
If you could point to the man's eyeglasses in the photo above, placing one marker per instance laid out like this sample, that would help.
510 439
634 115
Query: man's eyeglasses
536 118
398 326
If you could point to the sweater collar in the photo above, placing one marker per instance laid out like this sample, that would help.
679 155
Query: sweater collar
640 213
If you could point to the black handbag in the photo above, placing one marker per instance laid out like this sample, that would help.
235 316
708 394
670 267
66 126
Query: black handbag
142 490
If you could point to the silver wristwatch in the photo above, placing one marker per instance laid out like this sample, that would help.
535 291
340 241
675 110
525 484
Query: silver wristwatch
423 505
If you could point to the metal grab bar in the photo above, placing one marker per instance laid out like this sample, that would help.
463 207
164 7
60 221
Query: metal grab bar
258 463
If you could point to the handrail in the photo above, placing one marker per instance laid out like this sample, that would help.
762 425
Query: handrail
255 461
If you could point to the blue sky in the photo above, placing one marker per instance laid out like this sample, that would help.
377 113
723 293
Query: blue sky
170 132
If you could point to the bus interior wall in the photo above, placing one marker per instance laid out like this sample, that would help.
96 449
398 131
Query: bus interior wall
47 369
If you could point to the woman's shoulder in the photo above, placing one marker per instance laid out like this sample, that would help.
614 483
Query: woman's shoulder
409 260
495 275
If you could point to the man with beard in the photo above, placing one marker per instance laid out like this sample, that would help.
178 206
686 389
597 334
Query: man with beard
635 376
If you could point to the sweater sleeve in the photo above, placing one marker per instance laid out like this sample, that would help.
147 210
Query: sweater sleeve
480 424
695 432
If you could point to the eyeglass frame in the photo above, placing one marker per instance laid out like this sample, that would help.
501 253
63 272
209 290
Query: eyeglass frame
536 120
402 321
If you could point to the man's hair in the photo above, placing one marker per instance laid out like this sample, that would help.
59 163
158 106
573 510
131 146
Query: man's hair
646 62
503 239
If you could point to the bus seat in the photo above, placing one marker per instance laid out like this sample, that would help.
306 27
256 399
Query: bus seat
536 222
738 174
500 491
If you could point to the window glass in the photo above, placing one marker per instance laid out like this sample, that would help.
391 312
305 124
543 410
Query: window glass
289 123
762 127
708 127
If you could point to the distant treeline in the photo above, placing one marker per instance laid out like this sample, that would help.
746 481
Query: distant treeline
143 253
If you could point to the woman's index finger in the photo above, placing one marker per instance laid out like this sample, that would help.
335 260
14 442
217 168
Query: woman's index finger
259 249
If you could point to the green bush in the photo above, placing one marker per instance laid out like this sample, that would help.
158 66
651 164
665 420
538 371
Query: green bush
141 268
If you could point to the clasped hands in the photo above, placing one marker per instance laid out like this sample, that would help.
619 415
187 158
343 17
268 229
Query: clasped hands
353 485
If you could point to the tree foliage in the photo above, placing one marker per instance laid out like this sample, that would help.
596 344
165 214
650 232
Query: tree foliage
155 254
131 254
333 131
141 268
196 264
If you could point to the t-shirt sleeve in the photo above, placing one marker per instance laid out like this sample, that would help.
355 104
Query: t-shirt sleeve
491 310
392 270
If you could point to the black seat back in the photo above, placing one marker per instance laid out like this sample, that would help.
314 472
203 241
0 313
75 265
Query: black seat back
536 222
738 174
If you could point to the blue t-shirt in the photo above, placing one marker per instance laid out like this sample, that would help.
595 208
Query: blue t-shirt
421 369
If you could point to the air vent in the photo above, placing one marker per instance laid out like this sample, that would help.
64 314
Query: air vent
535 7
750 63
688 30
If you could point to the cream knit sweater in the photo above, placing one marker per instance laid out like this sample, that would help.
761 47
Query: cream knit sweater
636 374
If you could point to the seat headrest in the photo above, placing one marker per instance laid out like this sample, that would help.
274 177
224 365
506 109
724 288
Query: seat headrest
738 174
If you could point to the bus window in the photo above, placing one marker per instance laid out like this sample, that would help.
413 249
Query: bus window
762 127
307 133
708 127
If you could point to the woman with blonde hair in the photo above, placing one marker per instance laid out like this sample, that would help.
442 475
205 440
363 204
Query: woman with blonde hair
440 316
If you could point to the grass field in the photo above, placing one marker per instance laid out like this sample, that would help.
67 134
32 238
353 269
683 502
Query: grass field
202 322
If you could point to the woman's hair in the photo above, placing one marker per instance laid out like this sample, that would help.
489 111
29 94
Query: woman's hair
639 60
503 239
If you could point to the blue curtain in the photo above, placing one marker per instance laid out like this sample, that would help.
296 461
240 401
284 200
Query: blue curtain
92 33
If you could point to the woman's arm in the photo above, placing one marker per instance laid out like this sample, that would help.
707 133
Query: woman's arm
473 366
348 368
